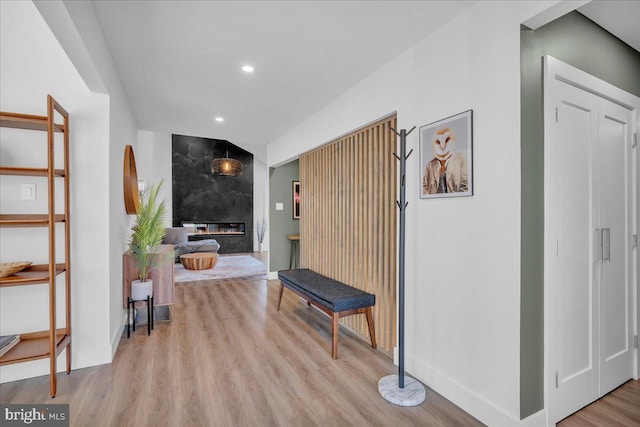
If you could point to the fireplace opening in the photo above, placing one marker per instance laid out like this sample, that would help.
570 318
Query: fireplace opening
204 230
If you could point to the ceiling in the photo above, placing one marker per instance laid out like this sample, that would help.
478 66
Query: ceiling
620 18
180 61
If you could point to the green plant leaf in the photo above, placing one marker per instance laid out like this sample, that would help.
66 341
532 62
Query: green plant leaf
148 231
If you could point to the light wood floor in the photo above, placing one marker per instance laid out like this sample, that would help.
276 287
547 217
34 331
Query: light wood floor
229 359
621 408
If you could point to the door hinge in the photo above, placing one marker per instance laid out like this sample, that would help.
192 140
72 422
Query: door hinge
635 137
557 247
635 341
556 379
635 240
556 114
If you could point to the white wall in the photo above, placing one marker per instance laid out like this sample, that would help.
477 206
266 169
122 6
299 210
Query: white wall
32 65
463 265
123 131
153 161
260 201
35 63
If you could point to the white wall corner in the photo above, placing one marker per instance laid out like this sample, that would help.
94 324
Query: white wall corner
87 357
481 408
259 151
560 8
539 419
59 21
115 339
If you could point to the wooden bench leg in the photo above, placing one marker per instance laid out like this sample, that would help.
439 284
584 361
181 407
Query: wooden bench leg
280 297
372 330
335 327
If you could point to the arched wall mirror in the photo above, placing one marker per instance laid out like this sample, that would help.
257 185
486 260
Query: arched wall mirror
131 197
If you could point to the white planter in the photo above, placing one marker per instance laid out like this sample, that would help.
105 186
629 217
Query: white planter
140 290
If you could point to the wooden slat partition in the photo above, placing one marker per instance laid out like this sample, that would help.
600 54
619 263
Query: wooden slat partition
348 219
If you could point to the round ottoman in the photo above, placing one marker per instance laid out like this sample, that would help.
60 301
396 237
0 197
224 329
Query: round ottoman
199 260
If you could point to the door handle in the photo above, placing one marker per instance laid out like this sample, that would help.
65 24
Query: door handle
606 244
597 241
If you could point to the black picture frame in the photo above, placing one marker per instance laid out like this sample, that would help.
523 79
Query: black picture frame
295 194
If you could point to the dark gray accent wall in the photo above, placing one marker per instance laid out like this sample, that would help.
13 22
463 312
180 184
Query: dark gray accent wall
281 223
198 195
578 41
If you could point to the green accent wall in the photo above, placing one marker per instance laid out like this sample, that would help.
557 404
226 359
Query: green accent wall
281 223
578 41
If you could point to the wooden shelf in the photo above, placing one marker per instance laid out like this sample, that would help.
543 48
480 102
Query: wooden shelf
28 220
10 170
34 346
38 345
27 121
34 275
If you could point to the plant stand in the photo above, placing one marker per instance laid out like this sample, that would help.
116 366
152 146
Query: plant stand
131 321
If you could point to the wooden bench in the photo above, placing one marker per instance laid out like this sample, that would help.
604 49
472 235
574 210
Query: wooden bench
334 298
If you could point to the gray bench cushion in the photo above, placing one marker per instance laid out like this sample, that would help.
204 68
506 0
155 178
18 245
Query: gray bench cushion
326 291
208 245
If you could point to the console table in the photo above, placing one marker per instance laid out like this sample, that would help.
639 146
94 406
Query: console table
162 276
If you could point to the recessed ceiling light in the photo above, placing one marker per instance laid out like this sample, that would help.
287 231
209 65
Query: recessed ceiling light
219 119
247 68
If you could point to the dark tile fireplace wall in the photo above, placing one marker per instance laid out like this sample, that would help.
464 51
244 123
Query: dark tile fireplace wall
200 196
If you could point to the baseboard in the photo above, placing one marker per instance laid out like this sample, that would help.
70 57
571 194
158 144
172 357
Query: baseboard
80 358
115 339
539 419
272 275
37 368
87 357
475 404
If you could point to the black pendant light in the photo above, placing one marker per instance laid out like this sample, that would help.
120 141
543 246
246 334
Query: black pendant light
226 166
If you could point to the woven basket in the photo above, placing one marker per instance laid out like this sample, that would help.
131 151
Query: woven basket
9 268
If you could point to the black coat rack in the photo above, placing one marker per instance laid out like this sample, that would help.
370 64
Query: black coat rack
414 392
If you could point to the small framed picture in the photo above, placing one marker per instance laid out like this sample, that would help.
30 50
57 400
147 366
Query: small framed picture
296 199
446 157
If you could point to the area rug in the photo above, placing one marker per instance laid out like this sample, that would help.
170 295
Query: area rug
228 266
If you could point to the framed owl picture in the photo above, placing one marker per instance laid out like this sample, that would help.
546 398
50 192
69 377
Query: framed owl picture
446 157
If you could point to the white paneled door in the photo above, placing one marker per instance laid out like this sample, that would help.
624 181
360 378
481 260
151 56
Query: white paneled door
589 220
615 274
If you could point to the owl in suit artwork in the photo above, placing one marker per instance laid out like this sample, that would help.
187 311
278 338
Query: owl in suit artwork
447 172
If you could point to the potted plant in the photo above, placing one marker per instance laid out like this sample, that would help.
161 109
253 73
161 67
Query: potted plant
146 238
